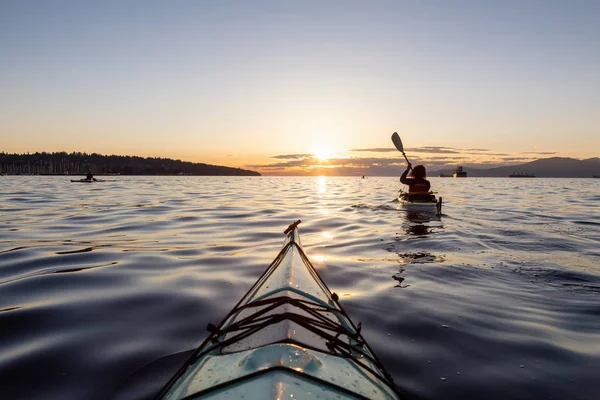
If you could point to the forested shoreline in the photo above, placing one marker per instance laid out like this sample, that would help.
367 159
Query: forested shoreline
59 163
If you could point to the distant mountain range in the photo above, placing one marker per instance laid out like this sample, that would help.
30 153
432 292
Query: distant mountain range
59 163
554 167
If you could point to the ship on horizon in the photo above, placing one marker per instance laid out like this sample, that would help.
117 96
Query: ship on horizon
459 173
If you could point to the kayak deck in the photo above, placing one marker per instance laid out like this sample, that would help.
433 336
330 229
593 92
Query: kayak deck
288 337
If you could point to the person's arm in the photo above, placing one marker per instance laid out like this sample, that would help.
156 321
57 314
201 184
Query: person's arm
428 184
403 178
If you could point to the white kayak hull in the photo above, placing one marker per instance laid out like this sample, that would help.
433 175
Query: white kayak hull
287 338
432 206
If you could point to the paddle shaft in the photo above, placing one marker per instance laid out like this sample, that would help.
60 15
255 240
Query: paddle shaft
408 162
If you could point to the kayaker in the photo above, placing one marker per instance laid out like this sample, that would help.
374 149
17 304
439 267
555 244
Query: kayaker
416 182
89 176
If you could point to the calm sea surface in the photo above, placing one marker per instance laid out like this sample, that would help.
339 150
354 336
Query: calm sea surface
106 287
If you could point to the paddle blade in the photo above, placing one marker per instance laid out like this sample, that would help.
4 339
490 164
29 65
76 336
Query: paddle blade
397 142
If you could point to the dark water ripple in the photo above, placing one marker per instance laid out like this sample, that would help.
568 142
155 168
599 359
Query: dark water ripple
105 288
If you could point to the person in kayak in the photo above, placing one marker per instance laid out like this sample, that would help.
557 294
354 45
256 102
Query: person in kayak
418 185
89 176
417 182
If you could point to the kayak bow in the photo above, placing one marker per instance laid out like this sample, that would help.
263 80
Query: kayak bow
288 337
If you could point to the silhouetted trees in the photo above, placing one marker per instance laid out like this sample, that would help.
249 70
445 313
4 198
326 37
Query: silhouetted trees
78 163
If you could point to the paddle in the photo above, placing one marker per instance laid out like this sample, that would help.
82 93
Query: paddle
398 143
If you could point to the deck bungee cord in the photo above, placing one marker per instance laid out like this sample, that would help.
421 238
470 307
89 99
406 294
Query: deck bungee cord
288 334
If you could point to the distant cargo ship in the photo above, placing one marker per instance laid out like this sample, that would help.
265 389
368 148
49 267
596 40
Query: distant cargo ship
459 173
521 175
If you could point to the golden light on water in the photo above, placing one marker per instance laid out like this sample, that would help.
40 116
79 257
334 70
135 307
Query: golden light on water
320 263
322 184
319 258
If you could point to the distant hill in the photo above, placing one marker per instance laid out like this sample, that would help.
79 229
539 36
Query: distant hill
554 167
78 163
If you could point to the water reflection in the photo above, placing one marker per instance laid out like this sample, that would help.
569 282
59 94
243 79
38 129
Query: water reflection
327 235
400 279
322 184
204 250
421 223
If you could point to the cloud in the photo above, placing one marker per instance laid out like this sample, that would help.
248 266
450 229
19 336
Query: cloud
448 158
287 164
368 165
293 156
513 159
334 162
435 158
376 150
435 150
425 149
539 152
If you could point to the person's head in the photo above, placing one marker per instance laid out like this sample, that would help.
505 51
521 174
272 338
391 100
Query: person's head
419 172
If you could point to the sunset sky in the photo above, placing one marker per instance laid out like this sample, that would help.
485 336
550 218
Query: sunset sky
284 86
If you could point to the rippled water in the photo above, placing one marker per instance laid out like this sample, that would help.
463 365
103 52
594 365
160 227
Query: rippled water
105 287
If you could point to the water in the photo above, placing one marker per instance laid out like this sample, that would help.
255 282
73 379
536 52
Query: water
105 287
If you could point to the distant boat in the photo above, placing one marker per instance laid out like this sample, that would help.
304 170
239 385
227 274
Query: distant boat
521 175
441 175
459 173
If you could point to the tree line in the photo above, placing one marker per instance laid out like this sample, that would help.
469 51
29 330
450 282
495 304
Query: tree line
75 163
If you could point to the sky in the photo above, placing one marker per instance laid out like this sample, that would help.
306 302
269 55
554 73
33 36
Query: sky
303 87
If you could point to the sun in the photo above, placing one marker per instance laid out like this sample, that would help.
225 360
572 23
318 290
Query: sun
321 152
